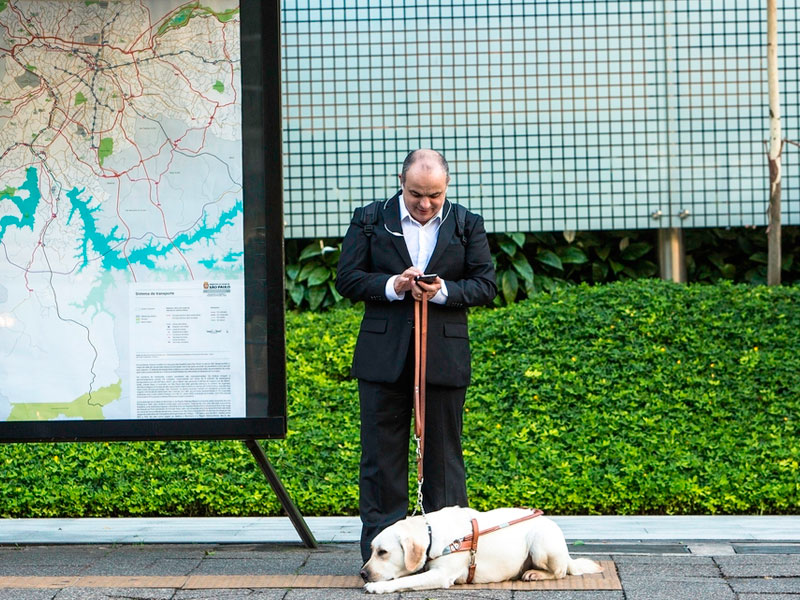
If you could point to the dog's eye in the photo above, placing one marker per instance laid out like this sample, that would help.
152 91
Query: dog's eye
382 552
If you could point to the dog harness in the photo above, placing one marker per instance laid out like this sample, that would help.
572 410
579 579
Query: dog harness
470 542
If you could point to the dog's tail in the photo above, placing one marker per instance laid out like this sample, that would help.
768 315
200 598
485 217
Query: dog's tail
582 566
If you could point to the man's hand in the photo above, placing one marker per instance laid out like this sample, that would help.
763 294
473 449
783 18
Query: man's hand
405 283
405 280
419 288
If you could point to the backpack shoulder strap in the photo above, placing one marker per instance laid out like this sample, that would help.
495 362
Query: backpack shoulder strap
461 219
369 216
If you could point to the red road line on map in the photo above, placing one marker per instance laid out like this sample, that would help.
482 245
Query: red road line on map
72 118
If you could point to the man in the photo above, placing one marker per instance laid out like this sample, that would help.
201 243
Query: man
387 244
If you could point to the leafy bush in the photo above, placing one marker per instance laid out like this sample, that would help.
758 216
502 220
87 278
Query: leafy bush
739 255
634 397
527 264
311 274
530 263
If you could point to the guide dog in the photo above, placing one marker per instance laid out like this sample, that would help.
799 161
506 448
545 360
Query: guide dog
511 545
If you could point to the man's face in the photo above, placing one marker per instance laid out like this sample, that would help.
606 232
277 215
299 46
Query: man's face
424 190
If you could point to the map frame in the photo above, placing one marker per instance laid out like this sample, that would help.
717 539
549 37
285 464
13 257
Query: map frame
265 350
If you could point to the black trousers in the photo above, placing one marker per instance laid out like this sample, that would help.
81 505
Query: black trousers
386 417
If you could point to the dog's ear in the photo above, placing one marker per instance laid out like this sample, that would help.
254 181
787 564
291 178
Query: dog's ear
413 554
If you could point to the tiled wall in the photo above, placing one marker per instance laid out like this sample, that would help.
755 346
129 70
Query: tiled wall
553 115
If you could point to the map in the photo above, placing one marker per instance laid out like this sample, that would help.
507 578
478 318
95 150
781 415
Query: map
121 253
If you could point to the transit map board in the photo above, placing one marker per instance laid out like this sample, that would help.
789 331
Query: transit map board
125 212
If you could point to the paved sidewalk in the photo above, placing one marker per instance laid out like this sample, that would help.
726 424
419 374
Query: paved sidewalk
232 530
757 559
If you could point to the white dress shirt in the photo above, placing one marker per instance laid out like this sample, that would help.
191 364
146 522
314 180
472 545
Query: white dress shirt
420 241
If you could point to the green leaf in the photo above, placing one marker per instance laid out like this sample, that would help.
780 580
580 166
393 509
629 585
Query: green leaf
292 271
718 260
728 271
646 268
510 286
615 266
518 238
507 245
550 258
603 252
327 302
760 257
548 239
546 283
336 295
756 277
316 295
635 250
296 292
319 275
306 271
599 271
523 267
573 255
313 249
630 271
531 287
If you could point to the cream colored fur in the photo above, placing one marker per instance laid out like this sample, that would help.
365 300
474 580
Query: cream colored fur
531 550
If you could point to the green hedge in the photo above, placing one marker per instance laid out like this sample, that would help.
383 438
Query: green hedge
627 398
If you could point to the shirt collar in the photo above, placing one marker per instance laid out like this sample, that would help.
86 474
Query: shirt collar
404 214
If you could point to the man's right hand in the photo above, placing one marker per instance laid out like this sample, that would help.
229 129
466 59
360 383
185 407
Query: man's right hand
405 280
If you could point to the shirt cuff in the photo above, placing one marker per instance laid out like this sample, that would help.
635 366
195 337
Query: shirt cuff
389 292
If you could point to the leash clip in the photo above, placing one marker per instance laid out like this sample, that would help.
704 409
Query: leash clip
420 480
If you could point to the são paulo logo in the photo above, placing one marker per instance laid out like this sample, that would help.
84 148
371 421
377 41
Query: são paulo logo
212 288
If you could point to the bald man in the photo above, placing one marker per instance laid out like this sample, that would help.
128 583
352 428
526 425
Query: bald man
388 243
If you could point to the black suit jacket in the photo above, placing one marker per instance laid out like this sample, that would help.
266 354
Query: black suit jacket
367 262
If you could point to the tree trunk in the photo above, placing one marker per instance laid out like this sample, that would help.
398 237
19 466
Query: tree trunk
774 213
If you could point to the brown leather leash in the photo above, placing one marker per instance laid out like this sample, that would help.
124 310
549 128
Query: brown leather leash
469 543
420 362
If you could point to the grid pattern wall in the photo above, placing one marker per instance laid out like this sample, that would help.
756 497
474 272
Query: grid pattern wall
554 115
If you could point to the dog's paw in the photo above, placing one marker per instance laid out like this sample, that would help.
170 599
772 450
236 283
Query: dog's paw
535 575
377 587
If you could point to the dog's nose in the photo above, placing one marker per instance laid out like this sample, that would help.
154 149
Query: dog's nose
364 575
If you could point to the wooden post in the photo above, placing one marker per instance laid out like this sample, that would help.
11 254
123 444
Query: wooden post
775 145
671 255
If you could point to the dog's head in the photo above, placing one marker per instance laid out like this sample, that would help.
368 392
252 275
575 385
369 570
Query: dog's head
397 551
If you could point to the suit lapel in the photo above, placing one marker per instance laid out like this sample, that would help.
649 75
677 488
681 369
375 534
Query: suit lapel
446 231
391 218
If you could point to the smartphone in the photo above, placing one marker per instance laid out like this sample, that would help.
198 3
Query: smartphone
427 278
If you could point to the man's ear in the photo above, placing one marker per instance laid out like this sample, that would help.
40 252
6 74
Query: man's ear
413 554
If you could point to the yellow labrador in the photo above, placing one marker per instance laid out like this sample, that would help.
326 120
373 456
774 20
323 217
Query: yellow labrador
421 553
